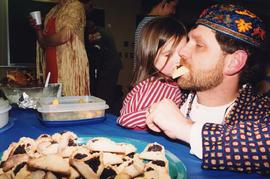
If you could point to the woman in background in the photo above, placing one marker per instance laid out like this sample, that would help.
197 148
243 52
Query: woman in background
62 49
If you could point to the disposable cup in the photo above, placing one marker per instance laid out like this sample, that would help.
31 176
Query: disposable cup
37 16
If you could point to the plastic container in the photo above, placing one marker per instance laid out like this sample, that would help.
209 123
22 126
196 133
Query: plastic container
72 108
4 109
13 94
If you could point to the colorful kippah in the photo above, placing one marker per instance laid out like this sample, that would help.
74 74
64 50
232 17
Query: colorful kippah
234 21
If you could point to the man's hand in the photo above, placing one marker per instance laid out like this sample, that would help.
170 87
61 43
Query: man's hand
166 116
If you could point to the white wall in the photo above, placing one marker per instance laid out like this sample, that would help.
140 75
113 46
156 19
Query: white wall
120 19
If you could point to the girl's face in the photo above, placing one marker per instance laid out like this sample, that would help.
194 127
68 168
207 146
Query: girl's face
168 58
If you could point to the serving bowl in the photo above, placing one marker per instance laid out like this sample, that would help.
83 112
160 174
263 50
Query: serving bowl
13 94
4 110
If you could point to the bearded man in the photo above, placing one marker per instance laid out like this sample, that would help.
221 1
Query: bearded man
226 124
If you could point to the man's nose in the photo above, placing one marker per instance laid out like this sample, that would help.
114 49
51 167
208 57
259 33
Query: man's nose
184 52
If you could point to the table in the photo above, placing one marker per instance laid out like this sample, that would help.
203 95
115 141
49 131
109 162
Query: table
27 124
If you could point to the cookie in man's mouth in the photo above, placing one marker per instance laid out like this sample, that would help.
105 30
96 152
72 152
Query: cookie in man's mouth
179 71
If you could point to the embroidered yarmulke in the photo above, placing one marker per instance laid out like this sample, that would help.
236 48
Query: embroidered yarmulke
234 21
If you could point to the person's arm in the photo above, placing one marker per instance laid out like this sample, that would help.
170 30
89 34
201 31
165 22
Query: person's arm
130 115
74 20
241 147
137 102
56 39
133 120
165 116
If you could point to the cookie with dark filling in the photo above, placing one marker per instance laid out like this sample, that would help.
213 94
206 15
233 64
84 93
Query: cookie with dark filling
132 167
81 153
153 151
25 145
157 169
54 163
109 172
14 161
89 167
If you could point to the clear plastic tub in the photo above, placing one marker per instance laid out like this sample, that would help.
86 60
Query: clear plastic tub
71 108
13 94
4 109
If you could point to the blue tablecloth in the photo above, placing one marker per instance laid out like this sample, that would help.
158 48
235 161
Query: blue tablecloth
27 124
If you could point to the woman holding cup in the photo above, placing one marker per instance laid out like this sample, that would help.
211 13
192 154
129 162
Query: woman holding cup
60 47
36 16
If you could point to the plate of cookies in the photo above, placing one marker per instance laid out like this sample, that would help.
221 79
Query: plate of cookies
65 155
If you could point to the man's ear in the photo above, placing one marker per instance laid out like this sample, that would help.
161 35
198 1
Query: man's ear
235 62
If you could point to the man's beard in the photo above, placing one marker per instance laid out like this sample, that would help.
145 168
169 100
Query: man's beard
201 79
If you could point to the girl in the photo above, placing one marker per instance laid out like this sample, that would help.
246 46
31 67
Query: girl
158 55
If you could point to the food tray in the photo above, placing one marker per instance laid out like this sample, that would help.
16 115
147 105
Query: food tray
177 169
72 108
71 122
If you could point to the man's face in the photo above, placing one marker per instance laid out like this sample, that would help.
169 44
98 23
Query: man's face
204 58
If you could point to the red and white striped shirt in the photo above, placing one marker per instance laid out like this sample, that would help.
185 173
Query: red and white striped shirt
141 97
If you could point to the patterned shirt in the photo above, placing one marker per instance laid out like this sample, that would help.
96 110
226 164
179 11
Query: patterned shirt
242 143
141 97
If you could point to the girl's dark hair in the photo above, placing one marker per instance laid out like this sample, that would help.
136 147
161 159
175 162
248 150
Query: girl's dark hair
148 5
255 67
153 36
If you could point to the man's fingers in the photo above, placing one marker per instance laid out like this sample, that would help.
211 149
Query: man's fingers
151 125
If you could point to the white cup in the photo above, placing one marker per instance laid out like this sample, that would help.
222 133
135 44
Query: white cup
36 15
